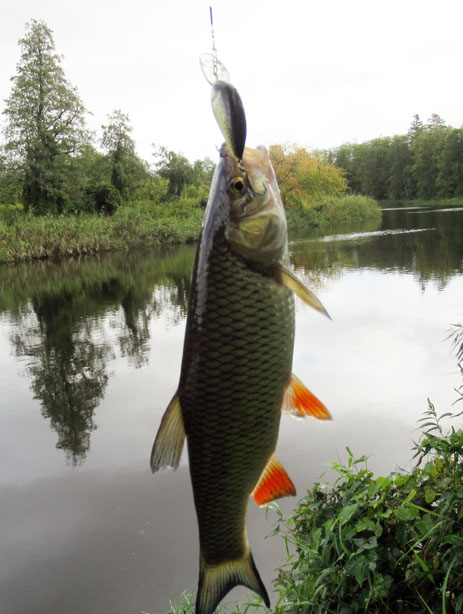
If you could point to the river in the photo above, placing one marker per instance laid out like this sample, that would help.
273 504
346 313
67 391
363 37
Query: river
90 353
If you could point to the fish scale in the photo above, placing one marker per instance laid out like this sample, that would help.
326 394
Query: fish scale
237 360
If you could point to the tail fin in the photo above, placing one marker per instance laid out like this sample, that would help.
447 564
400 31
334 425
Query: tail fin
216 581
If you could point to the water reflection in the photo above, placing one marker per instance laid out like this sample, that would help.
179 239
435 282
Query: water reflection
67 369
60 312
71 319
427 243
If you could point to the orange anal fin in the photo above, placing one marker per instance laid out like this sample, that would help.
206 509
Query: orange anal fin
273 483
300 402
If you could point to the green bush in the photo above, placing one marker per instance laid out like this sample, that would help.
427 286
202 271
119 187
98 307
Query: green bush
10 213
381 545
332 210
31 237
103 197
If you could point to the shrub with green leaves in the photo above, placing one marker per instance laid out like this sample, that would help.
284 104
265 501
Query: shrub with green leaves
10 213
387 544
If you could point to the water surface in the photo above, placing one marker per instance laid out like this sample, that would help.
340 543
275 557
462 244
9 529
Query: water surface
90 353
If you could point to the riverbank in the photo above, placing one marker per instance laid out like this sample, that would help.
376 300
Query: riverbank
438 202
25 237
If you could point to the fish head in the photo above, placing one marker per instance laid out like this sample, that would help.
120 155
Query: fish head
256 227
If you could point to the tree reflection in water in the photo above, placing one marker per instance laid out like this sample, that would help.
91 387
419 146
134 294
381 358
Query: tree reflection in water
68 376
59 313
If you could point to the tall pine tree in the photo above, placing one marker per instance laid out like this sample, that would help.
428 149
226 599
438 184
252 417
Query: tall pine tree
45 122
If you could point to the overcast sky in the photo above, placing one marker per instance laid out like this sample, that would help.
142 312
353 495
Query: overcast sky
315 73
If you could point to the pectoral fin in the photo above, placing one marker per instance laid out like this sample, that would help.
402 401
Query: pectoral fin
168 445
287 278
273 483
300 402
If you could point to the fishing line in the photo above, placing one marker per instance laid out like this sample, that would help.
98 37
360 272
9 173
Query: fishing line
214 50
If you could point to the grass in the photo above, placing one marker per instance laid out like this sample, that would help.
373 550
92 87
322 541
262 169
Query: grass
333 210
437 202
26 237
186 605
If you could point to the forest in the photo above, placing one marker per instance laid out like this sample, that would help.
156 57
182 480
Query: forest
425 164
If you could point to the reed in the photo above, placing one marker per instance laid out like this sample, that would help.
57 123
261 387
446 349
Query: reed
143 224
333 210
29 237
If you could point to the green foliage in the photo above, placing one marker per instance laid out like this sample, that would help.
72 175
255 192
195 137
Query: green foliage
427 151
427 163
175 168
45 122
29 237
127 170
450 177
186 605
10 213
104 197
144 223
183 178
305 178
379 545
332 210
386 544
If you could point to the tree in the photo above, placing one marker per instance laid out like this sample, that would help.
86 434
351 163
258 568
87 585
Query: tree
376 168
175 168
45 122
305 177
450 177
401 183
126 168
427 151
415 128
203 171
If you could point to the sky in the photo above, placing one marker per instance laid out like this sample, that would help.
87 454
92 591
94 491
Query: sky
317 74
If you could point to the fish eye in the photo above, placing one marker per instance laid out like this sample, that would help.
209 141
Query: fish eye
237 185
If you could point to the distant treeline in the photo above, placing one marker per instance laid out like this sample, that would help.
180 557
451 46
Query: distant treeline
426 163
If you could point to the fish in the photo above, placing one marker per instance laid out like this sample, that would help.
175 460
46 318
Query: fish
236 374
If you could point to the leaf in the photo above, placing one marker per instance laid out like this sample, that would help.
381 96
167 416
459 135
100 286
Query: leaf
424 567
404 514
429 494
359 572
347 512
365 543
